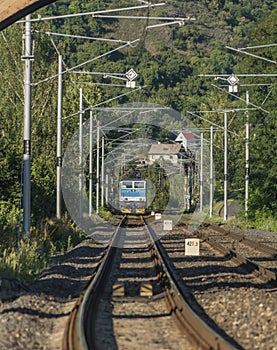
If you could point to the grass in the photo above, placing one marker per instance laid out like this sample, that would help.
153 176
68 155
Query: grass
260 219
25 258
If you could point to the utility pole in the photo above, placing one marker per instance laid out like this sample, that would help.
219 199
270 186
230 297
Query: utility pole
28 58
107 188
59 142
201 171
211 171
102 173
97 170
90 160
225 165
247 132
185 188
81 155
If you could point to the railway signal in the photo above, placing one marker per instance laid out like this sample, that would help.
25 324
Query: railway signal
233 80
131 75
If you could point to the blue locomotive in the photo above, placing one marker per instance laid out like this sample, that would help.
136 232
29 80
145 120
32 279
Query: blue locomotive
132 195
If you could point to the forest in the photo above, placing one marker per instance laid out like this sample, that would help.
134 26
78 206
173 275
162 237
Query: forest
170 61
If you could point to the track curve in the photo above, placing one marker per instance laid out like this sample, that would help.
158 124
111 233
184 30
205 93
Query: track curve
141 259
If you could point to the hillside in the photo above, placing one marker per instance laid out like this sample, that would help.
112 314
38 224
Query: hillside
167 59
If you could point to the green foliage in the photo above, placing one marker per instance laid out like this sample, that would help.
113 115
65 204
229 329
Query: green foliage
105 214
27 258
264 219
23 261
156 179
261 219
10 215
168 61
61 234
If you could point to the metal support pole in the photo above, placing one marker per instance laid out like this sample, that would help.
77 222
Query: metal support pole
81 155
107 188
97 172
185 191
247 132
225 166
112 190
102 173
191 182
211 171
123 162
59 142
90 161
28 57
201 172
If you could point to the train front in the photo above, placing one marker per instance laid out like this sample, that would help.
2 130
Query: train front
132 196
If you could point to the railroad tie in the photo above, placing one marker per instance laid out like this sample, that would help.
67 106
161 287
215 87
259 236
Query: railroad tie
118 290
146 290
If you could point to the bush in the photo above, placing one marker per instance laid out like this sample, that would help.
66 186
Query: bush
27 258
23 261
9 215
105 214
264 219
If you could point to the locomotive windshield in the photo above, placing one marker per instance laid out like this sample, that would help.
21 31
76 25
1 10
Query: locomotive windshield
127 184
139 184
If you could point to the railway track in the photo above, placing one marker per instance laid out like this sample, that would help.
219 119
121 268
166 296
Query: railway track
235 296
239 305
133 300
257 255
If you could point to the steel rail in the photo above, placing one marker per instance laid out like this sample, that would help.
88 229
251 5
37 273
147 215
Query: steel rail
246 241
201 334
259 271
78 335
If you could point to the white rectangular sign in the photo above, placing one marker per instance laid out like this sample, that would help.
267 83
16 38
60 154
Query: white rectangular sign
158 216
192 246
167 225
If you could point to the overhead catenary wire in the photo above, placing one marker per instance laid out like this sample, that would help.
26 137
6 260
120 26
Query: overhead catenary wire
241 99
92 13
104 102
251 54
210 122
127 43
81 37
98 84
256 47
176 19
84 63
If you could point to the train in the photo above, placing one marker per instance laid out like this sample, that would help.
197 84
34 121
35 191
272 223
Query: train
133 194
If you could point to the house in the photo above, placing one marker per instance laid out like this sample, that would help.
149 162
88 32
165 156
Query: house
166 151
188 140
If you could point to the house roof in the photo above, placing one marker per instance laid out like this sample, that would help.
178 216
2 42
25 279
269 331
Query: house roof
164 148
188 135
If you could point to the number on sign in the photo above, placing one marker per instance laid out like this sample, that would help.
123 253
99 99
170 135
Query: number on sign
192 246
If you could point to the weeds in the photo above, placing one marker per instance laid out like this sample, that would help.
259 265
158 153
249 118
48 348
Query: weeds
25 259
